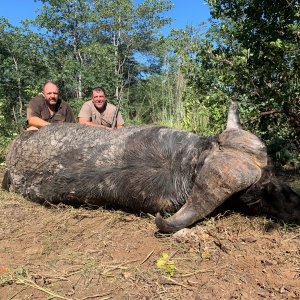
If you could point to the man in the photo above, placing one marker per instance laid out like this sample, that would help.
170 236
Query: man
47 108
97 112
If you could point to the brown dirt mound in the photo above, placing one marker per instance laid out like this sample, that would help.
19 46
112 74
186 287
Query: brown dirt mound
67 253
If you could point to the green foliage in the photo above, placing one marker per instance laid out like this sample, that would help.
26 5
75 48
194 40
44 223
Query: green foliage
158 100
4 143
76 105
22 68
81 44
249 53
95 41
8 130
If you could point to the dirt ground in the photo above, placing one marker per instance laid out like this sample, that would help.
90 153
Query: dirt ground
68 253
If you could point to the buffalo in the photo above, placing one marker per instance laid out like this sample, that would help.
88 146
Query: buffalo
153 169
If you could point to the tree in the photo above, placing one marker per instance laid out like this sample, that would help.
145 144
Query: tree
68 30
251 52
133 31
269 30
113 30
22 66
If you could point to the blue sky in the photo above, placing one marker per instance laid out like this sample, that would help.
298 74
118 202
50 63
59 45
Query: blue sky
185 12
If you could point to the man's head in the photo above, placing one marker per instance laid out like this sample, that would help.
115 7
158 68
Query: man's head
98 97
50 92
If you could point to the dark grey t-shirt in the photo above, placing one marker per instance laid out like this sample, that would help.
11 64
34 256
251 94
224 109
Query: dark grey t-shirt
37 107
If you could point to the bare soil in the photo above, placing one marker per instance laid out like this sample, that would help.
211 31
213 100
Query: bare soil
67 253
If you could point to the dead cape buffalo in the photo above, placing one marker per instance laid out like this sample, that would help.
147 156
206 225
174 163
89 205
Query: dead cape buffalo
149 168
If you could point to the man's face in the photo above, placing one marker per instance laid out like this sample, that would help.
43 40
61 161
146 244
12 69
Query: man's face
98 99
50 93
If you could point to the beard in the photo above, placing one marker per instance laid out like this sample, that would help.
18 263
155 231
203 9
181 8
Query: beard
99 105
52 101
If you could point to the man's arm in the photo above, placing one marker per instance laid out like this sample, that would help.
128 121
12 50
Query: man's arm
37 122
34 113
87 121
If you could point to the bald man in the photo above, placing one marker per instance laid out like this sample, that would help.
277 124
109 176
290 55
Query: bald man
47 108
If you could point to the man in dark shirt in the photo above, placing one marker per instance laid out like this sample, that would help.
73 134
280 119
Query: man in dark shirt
47 108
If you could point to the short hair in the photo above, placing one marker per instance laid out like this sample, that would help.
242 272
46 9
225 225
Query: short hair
98 89
50 81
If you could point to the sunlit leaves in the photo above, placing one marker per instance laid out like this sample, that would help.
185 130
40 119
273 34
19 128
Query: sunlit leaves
251 52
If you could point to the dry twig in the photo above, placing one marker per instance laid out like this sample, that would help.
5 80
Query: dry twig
32 284
148 256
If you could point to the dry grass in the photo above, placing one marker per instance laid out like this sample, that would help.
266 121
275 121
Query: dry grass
67 253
